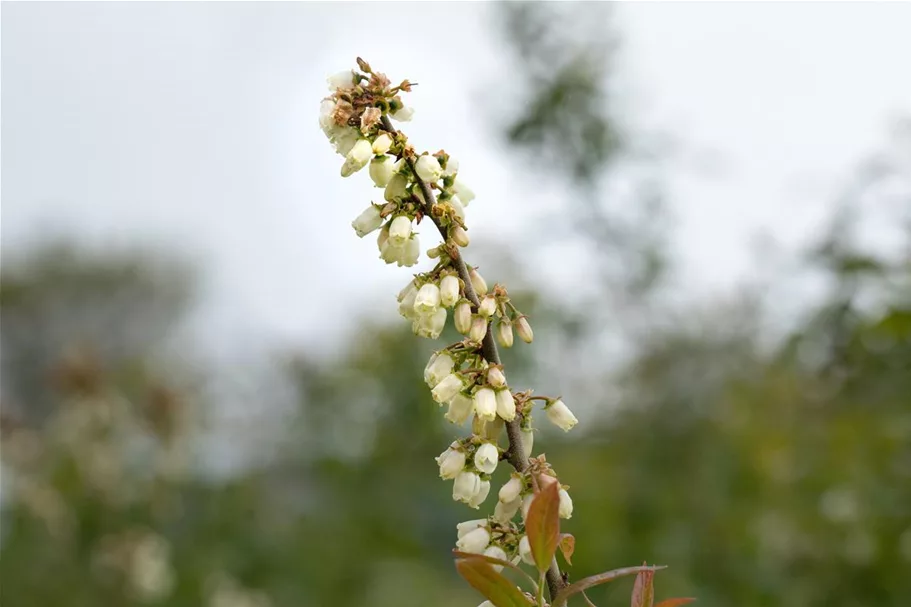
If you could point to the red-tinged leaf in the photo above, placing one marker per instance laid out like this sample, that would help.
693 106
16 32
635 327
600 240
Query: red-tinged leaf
644 589
675 602
567 546
495 588
495 561
598 579
543 525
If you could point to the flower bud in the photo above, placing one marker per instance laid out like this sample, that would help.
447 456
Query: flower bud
488 306
477 282
412 252
341 80
459 236
400 230
428 168
480 496
460 407
566 504
486 458
449 290
506 405
466 486
462 317
485 404
503 512
463 192
381 170
525 551
403 114
428 299
497 553
560 415
451 462
382 144
475 541
528 442
397 188
357 158
504 333
367 221
478 329
448 387
526 504
510 491
439 366
464 528
495 377
524 330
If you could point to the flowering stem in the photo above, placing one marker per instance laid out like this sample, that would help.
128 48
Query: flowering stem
515 452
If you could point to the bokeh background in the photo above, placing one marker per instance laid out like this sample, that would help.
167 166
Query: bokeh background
208 398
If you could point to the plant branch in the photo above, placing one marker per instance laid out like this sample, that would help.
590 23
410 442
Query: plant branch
515 454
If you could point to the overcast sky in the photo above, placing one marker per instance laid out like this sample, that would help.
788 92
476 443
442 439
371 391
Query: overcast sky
194 126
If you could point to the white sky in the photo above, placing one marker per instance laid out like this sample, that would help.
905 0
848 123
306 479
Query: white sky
194 126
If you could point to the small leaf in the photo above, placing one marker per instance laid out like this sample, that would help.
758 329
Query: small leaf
567 546
496 561
598 579
675 602
644 589
543 525
495 588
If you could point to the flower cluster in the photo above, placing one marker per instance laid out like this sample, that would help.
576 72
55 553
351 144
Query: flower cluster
465 376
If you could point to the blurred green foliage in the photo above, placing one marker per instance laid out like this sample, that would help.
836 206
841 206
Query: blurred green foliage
765 469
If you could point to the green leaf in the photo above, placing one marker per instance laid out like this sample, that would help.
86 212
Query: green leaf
495 588
675 602
598 579
644 589
567 546
543 525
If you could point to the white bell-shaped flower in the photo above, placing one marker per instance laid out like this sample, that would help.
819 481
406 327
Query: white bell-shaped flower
485 404
511 490
460 407
357 158
367 222
451 462
486 458
475 541
381 170
506 405
566 504
560 415
449 290
428 168
439 366
466 486
448 387
480 496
